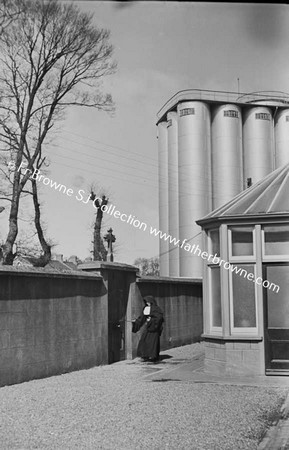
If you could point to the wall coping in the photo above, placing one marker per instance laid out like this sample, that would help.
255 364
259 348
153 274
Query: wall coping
97 265
179 280
41 272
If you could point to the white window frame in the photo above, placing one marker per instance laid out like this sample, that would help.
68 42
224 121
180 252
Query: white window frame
210 245
244 331
216 331
241 258
268 258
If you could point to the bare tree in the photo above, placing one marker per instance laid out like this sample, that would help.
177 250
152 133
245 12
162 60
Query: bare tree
28 247
45 244
9 10
52 56
99 250
148 266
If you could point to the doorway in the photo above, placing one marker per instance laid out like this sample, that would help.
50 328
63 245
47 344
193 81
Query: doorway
276 319
119 284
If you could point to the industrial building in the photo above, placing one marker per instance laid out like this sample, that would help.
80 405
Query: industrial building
212 145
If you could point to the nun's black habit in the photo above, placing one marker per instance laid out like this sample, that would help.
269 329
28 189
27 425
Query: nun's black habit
149 344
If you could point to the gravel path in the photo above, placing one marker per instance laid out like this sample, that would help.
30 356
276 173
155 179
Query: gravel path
115 408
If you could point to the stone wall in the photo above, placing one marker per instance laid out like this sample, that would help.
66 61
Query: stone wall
234 357
50 323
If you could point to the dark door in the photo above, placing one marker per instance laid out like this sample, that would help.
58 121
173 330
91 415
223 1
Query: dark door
119 283
276 317
116 326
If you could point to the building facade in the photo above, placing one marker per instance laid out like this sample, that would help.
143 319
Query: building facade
246 278
212 145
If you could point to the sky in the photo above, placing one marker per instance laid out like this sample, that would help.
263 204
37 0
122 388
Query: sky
160 48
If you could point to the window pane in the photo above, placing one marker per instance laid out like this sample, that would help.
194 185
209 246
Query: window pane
244 298
263 116
231 113
216 297
277 240
278 305
187 111
242 241
215 242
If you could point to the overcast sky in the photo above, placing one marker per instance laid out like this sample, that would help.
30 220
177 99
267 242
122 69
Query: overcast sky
161 48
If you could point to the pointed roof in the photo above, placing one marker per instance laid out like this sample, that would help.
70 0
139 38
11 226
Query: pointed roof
269 196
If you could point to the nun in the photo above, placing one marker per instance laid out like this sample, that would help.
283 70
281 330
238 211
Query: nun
151 320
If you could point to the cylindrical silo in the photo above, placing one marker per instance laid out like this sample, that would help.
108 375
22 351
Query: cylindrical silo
163 196
173 185
227 169
194 182
257 143
281 138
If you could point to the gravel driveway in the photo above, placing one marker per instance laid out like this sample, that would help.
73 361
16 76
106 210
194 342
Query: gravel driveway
115 408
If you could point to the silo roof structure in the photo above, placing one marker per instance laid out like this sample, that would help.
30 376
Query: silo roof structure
268 197
266 98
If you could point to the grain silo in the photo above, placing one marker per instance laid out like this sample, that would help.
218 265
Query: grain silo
227 179
173 187
258 143
281 138
163 195
194 142
218 143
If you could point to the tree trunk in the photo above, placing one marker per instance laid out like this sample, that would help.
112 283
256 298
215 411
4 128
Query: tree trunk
7 250
99 251
46 257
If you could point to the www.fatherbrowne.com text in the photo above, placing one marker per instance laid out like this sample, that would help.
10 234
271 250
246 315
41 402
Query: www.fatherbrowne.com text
132 220
214 259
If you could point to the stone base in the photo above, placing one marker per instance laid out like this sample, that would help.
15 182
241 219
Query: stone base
234 357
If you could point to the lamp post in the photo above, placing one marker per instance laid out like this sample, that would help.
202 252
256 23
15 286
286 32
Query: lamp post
110 238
